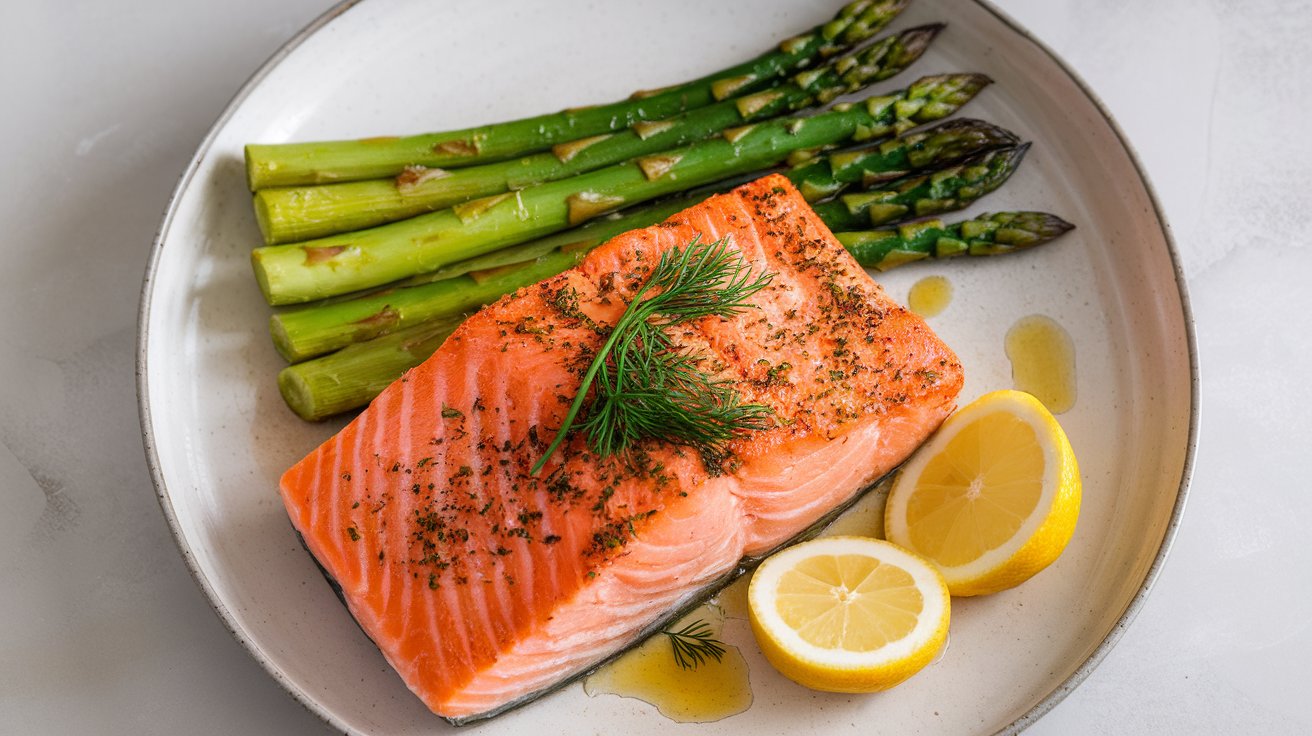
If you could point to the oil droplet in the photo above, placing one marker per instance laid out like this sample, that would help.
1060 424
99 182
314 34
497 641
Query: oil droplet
1042 357
712 691
930 296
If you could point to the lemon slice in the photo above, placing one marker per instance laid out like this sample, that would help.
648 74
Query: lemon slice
848 614
992 498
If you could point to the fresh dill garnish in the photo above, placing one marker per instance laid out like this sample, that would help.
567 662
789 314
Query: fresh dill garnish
694 644
646 386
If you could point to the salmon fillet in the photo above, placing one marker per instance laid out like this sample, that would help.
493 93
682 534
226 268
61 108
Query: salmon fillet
485 586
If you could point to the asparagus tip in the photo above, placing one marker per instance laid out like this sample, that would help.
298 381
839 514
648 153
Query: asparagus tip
995 134
1043 226
880 8
914 41
929 29
1018 152
1061 226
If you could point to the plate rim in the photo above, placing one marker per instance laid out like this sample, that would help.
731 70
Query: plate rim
1132 609
221 610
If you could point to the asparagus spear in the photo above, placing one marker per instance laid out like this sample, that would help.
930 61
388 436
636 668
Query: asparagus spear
821 177
583 238
986 235
942 191
317 329
301 272
932 148
287 214
294 164
351 377
306 332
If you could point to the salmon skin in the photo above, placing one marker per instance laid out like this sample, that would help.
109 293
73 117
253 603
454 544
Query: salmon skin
486 586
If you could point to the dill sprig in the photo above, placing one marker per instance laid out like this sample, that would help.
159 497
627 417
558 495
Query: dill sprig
648 387
694 644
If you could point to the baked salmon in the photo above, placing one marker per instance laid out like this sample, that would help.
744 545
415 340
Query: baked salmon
484 585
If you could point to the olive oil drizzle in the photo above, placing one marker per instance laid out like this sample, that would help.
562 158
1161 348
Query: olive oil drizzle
1042 356
715 689
930 296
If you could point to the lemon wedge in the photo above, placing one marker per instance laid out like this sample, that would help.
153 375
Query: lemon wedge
848 614
992 498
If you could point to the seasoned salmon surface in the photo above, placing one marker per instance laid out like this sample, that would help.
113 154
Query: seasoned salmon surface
484 585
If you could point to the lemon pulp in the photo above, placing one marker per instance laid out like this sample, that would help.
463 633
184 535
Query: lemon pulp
952 518
992 498
848 614
849 602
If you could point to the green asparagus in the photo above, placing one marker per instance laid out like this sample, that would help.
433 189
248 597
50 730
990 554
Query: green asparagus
287 214
942 191
986 235
351 377
932 148
817 178
306 333
295 164
583 238
317 329
302 272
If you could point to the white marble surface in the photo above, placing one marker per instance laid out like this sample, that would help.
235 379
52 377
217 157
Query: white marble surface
102 630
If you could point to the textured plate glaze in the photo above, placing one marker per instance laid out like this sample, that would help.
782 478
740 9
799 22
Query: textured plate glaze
218 435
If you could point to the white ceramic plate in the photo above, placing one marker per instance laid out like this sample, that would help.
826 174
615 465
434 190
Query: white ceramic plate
218 435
